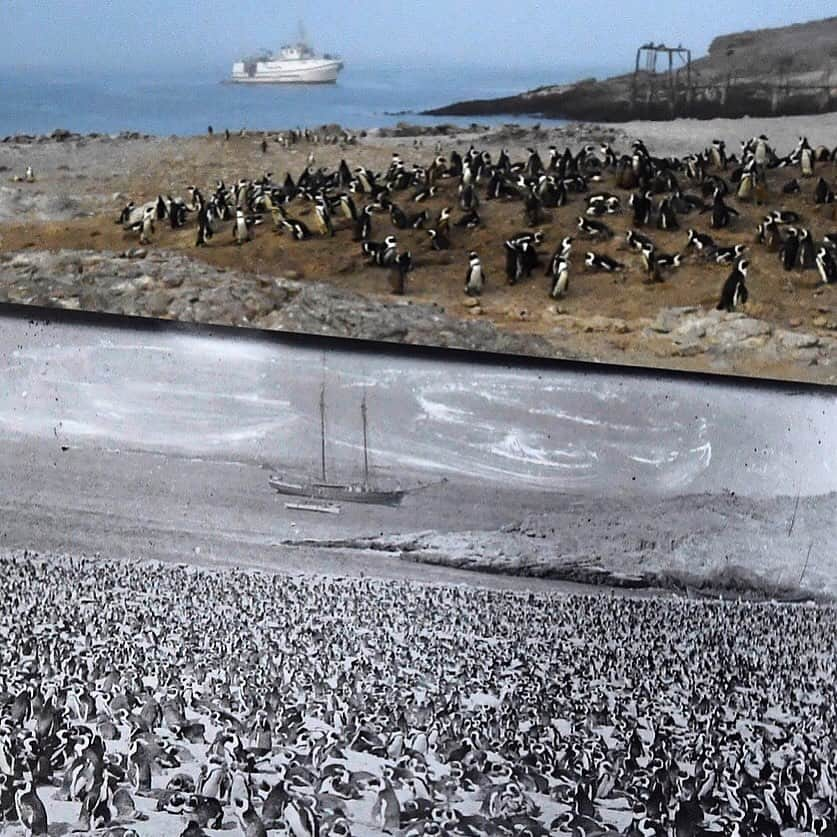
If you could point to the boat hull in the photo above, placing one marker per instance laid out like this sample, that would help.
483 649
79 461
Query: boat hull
339 493
286 72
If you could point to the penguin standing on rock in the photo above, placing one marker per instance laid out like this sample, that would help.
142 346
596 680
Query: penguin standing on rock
475 277
734 292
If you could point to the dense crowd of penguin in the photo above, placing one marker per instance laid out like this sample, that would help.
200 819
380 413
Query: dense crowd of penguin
169 700
653 191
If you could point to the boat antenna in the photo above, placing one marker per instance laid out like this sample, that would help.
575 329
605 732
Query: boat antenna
303 36
365 443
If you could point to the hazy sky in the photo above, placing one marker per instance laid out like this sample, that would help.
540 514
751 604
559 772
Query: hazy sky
208 34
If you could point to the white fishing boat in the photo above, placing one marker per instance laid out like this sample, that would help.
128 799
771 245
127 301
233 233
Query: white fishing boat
293 64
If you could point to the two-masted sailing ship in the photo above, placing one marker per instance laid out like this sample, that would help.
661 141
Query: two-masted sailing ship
352 492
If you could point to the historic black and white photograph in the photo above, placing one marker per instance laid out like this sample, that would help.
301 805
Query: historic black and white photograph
324 587
418 420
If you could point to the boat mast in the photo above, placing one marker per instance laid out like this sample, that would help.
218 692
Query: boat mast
322 430
365 443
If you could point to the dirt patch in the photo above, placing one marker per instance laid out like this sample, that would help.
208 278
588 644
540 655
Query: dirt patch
604 317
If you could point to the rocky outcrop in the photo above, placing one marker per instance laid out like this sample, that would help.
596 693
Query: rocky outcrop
719 543
169 285
770 72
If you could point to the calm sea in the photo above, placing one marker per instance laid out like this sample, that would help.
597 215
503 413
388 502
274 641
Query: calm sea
187 102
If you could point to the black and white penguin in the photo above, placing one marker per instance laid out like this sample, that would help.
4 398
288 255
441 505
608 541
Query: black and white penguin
323 215
30 809
250 822
790 249
534 238
769 235
400 267
718 153
727 255
642 206
386 810
649 263
475 276
668 261
468 198
346 206
826 266
147 229
298 229
761 151
560 277
721 213
792 187
666 217
785 216
702 242
746 185
177 213
29 177
439 240
534 165
594 229
398 217
242 228
734 291
806 158
470 220
424 194
822 192
125 214
599 261
363 224
388 252
807 251
637 240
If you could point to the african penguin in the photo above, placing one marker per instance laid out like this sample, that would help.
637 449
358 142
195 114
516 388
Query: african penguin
597 261
475 276
826 266
560 277
734 291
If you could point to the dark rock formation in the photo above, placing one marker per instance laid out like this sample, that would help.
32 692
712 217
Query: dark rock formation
786 71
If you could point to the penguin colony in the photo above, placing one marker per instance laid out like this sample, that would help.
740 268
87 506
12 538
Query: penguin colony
169 700
567 206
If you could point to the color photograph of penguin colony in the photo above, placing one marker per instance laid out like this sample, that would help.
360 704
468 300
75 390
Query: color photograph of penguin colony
709 246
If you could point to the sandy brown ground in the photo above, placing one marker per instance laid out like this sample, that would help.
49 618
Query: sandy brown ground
98 177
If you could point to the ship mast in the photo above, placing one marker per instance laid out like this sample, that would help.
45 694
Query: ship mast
322 430
365 443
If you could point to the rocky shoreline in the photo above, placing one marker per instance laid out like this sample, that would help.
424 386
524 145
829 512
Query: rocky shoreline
681 544
170 285
787 71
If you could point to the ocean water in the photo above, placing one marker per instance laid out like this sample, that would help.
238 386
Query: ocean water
183 103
